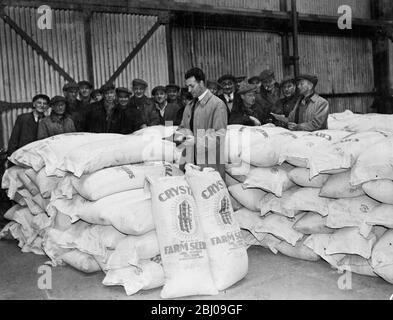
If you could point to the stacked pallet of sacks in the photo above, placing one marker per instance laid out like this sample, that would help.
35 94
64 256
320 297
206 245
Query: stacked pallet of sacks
326 194
80 201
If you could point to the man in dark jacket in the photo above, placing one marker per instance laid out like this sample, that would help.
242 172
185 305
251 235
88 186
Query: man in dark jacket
185 98
85 89
383 103
167 111
269 95
228 84
105 116
75 108
26 125
144 104
286 104
244 111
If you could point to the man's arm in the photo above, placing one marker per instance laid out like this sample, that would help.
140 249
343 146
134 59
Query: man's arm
320 116
42 131
15 136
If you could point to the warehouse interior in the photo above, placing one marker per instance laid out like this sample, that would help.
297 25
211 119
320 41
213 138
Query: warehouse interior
158 40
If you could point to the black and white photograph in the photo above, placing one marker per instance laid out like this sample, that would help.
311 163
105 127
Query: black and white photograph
214 152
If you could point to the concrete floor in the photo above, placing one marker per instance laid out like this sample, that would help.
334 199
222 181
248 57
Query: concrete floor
270 277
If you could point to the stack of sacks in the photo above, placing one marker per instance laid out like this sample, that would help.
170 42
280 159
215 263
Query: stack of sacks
340 211
200 242
79 216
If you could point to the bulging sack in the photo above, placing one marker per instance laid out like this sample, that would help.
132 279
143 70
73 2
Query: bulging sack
339 186
180 236
124 150
375 163
301 176
11 181
248 198
44 183
225 244
357 264
299 251
382 256
381 215
380 190
265 240
274 179
271 203
312 223
80 261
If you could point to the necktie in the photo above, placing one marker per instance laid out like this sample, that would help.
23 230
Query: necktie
195 101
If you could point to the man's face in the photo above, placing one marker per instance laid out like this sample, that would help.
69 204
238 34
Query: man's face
71 94
139 91
172 94
304 86
85 91
40 105
248 98
268 84
196 88
256 82
160 97
123 98
97 97
213 89
288 89
59 108
110 96
228 86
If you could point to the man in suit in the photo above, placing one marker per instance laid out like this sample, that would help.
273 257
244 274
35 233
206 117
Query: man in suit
204 124
26 125
167 111
228 84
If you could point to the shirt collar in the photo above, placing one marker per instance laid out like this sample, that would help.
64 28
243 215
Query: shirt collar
166 104
200 98
229 97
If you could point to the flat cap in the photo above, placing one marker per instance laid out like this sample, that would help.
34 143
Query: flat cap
247 87
254 78
213 83
158 88
266 74
123 89
139 82
287 79
70 86
41 96
85 83
313 79
106 87
227 77
172 86
57 99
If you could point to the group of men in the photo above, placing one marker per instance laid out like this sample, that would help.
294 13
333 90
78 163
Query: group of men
202 105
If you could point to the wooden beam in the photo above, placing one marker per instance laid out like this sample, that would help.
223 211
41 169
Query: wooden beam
135 51
169 48
34 45
88 45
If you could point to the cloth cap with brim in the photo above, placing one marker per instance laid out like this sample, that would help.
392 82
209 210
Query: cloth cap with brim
41 96
247 87
227 77
172 86
70 86
266 74
107 87
139 82
254 78
124 90
57 99
158 88
85 83
313 79
287 79
211 83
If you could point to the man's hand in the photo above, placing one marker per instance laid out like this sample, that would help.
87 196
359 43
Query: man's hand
280 117
292 126
255 120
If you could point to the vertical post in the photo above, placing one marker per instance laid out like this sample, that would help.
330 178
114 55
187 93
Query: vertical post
89 50
295 23
285 43
166 19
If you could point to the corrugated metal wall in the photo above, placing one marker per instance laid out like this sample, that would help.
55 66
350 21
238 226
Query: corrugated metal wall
360 8
359 104
113 38
225 51
343 65
239 4
391 63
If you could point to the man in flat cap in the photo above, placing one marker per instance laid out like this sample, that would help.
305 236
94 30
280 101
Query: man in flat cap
244 111
228 84
204 124
213 86
144 104
105 116
172 91
311 111
26 125
167 111
131 116
57 122
96 95
239 80
123 96
256 81
268 96
85 89
74 107
286 104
